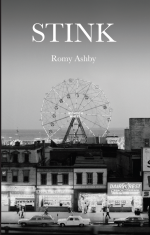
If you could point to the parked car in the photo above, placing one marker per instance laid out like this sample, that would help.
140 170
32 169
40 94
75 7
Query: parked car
37 220
131 221
73 221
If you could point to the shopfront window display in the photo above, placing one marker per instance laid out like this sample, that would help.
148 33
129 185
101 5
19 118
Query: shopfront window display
4 202
55 200
135 202
88 202
21 199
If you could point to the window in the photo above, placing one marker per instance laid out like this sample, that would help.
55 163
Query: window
65 178
79 178
26 176
47 218
4 156
54 178
4 175
99 178
33 218
136 167
26 157
146 142
15 158
89 178
76 219
43 179
15 176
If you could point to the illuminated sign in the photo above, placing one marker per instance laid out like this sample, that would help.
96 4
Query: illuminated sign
128 189
17 188
146 159
54 191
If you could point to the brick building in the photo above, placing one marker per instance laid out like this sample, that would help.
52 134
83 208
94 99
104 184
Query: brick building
138 134
18 180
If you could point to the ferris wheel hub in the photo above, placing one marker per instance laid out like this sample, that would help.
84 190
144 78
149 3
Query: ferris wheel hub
75 114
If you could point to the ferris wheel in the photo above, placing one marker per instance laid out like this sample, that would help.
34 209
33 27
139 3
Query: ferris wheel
76 108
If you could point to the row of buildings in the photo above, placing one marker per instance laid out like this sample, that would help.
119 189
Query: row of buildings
79 175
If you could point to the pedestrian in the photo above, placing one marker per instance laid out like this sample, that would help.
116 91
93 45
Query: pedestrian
22 212
85 208
69 209
46 211
17 208
19 212
107 212
132 204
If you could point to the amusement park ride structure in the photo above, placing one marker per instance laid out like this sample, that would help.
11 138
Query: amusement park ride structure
77 107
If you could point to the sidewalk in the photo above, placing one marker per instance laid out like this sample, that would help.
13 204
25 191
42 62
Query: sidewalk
13 217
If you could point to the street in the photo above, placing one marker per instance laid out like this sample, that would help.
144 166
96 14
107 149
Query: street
92 229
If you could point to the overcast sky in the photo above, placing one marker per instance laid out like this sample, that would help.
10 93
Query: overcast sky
121 69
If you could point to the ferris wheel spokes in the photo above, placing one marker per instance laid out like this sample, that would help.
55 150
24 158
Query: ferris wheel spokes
56 120
91 99
93 122
59 105
61 98
84 96
69 95
92 108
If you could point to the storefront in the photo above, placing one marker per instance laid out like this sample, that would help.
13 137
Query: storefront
146 190
18 195
89 200
54 198
124 196
4 201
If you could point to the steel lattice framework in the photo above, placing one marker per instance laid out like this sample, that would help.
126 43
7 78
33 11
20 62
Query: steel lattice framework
77 107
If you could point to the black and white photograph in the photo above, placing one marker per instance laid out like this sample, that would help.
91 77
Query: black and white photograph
75 116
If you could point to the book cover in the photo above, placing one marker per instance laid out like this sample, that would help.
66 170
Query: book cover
74 72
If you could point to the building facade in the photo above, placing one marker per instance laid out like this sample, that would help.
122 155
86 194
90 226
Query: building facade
18 176
54 188
90 183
